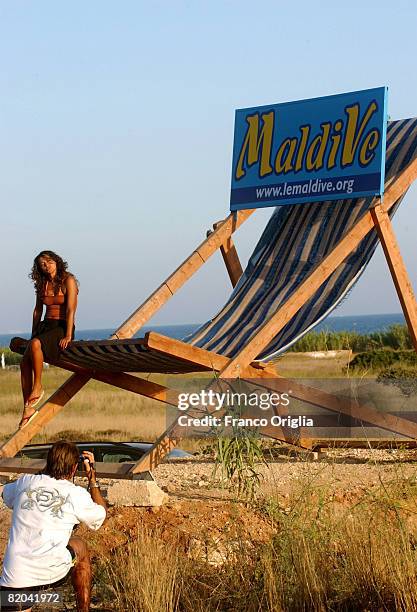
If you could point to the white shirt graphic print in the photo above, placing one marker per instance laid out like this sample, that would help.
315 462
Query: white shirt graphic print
45 511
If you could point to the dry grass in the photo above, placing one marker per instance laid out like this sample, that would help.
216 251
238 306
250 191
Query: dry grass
98 411
299 365
149 581
358 557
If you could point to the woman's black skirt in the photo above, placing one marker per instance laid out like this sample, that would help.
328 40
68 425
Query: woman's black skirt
50 332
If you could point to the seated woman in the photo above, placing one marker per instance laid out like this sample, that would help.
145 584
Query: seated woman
57 289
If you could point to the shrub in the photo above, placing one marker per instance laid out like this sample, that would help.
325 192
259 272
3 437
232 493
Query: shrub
383 358
395 337
401 377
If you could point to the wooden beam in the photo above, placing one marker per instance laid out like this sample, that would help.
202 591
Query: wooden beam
231 259
340 405
128 382
169 439
176 280
316 278
397 268
51 408
194 355
191 354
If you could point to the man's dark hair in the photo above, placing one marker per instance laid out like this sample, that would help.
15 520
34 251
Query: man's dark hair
61 459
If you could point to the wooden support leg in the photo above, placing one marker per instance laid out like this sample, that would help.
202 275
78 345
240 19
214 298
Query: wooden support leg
54 405
397 268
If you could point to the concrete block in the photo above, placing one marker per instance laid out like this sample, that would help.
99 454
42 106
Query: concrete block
136 493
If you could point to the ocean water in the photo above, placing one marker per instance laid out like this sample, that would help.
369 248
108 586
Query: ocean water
363 324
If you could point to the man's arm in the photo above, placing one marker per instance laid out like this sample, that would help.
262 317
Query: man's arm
92 481
95 490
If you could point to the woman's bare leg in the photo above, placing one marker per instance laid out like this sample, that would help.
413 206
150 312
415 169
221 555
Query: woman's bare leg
36 354
81 574
26 375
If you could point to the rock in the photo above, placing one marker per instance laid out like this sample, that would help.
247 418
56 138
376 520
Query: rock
136 493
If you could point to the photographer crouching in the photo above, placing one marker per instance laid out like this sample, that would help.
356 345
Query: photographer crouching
42 552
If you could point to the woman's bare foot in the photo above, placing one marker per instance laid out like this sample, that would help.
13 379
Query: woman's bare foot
29 409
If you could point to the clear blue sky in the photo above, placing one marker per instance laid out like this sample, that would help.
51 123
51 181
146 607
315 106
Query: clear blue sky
116 128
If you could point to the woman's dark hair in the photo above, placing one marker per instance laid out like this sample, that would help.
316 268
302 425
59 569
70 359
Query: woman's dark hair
40 277
61 459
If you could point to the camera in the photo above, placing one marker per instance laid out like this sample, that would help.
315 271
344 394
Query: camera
81 460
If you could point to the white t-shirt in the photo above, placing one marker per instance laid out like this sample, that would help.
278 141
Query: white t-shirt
44 512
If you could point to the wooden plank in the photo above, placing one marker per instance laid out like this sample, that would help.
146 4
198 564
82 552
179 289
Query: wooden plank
363 443
231 259
209 359
397 268
163 293
192 354
169 440
153 457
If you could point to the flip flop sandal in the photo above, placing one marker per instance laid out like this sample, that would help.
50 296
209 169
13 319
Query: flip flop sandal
35 401
26 420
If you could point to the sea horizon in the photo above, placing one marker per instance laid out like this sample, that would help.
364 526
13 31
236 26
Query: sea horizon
362 324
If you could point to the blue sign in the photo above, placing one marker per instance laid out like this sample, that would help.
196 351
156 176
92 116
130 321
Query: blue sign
329 148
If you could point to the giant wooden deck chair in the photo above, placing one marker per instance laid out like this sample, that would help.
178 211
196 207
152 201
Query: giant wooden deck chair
305 263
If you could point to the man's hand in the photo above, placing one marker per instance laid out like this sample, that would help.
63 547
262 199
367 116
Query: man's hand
88 463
